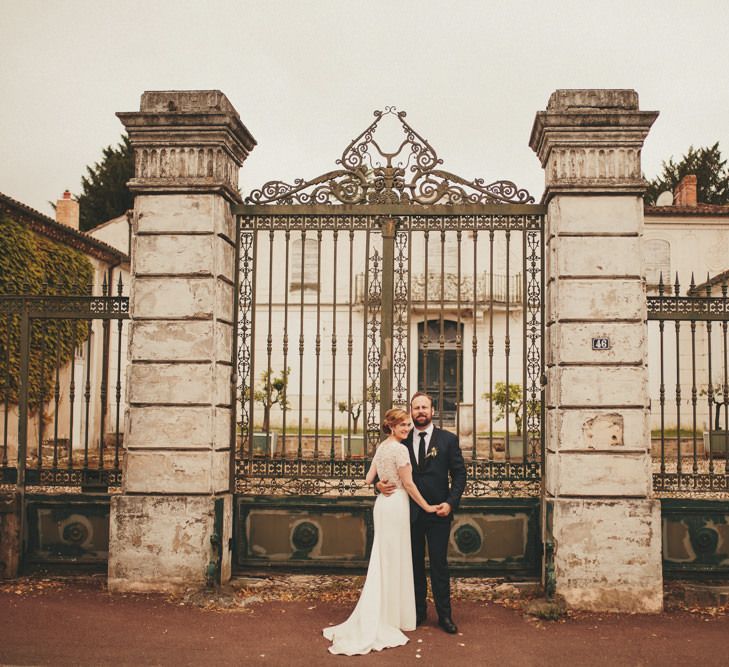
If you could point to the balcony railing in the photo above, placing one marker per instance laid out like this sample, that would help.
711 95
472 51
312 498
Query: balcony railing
495 289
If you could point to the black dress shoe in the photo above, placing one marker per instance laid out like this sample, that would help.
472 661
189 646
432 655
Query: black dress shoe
448 625
420 619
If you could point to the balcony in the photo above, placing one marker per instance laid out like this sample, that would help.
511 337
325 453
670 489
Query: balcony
492 289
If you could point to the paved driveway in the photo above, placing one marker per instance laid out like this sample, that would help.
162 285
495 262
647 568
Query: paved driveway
77 622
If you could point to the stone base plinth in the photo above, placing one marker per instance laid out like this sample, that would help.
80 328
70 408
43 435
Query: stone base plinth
162 543
10 509
608 553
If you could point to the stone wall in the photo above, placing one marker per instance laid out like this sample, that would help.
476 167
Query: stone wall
188 147
600 511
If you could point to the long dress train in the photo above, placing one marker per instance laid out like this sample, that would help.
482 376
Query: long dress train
387 602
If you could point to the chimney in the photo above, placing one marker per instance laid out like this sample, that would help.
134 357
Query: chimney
67 211
685 193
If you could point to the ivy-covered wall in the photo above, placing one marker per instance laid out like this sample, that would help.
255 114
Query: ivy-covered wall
32 265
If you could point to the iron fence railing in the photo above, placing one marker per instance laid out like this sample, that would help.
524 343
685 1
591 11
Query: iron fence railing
321 352
61 378
688 361
335 324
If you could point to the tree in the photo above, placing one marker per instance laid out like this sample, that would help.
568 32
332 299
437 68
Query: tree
717 391
712 176
512 403
105 192
507 403
354 409
272 393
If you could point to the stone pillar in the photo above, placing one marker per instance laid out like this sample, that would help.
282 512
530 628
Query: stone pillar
177 483
600 512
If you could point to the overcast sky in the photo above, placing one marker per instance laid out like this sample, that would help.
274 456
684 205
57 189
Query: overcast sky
306 76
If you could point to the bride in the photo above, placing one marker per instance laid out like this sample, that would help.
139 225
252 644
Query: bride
386 605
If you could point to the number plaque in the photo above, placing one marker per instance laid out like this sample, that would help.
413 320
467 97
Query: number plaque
600 343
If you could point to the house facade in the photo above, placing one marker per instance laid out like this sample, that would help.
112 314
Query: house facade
74 408
479 289
686 247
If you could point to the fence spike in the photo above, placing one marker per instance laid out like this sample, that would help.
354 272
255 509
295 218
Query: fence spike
120 286
708 284
661 286
676 286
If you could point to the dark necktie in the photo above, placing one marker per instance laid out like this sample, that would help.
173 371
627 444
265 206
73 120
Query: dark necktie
421 451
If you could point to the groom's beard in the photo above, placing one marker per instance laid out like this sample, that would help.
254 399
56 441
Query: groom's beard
422 421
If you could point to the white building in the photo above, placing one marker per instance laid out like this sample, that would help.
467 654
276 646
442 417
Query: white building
685 240
108 256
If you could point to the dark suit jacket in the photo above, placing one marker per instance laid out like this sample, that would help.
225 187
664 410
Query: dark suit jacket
443 460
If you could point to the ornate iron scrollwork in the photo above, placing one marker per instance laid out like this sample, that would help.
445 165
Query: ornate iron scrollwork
245 335
374 326
407 175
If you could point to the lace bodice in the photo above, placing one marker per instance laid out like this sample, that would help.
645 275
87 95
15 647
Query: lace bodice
390 455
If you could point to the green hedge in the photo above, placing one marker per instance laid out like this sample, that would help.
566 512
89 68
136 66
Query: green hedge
33 265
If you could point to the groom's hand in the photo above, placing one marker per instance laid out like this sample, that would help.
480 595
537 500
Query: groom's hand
444 509
385 488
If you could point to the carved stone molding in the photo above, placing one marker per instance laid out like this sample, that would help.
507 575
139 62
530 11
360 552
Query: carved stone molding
593 166
590 140
187 141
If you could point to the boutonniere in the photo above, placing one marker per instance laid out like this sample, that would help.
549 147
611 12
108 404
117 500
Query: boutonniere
432 453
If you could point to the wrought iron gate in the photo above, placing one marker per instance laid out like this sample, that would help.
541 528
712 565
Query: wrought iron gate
62 422
355 289
689 353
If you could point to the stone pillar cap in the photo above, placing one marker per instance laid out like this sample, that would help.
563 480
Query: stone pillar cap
589 141
187 141
593 99
186 101
161 109
581 116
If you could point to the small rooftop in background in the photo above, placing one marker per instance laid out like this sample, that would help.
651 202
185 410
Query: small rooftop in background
59 231
684 201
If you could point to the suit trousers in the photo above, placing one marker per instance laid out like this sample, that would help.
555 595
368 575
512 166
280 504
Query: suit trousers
436 531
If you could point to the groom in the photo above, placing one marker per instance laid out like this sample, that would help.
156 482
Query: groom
435 456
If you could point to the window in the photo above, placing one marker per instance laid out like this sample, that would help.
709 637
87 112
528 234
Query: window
448 250
440 374
304 255
657 262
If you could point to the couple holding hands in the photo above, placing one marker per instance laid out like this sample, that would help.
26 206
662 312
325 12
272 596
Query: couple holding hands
420 475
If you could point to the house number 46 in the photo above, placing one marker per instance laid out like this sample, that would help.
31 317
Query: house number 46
600 343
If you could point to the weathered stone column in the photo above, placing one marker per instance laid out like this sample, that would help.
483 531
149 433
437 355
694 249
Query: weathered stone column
599 507
176 493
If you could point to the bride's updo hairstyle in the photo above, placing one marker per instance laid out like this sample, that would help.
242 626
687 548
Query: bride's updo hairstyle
392 418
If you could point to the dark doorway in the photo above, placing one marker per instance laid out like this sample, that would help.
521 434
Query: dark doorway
440 368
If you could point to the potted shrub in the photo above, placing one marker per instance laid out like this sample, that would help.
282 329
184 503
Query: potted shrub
356 442
718 440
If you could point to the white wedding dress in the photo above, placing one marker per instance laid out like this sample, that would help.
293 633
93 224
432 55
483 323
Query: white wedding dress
386 605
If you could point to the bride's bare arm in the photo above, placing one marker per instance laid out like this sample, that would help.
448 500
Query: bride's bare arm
406 477
372 473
